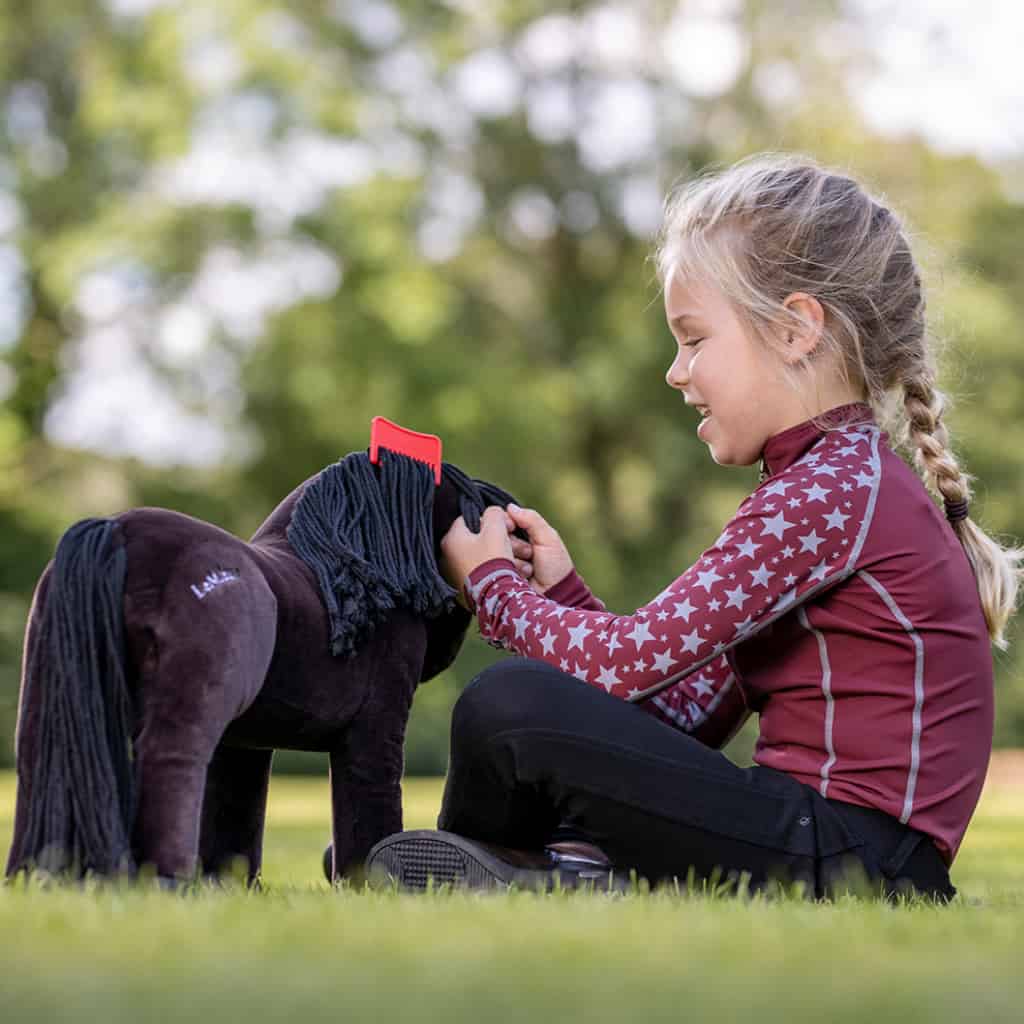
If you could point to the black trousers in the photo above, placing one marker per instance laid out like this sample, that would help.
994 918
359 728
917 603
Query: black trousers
538 755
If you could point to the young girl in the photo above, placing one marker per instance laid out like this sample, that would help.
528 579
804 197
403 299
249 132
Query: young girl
840 603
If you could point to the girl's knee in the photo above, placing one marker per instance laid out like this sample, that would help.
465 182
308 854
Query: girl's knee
507 695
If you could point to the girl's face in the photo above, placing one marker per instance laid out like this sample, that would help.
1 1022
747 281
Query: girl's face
720 368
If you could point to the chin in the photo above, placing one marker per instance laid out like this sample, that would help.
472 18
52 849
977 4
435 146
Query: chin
728 457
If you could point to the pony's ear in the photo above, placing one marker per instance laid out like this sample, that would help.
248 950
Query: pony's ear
445 635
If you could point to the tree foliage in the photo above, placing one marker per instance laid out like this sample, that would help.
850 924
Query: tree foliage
440 213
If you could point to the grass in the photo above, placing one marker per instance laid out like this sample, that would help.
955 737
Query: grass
302 953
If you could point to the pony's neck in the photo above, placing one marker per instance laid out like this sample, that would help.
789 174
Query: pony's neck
275 527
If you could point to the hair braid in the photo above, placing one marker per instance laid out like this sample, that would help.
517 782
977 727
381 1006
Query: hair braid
803 227
929 439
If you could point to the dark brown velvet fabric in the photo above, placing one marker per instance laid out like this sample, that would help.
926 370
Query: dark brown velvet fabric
228 659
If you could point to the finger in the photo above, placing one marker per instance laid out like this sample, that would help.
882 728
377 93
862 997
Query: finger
492 526
525 569
455 533
492 516
530 520
521 548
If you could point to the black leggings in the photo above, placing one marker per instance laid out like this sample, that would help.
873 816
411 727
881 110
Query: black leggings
537 755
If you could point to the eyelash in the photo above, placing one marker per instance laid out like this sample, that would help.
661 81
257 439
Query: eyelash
690 344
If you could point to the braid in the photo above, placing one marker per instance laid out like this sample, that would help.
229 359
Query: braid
927 434
996 568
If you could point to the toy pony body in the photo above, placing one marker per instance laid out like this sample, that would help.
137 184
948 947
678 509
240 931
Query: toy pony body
166 659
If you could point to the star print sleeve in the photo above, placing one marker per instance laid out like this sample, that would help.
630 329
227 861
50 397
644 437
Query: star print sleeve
796 535
573 592
708 704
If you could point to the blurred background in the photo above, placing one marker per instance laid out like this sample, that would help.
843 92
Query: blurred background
233 232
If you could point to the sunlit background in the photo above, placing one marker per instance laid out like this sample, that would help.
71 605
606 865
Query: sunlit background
232 233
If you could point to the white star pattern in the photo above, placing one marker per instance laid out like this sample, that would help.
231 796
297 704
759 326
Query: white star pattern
640 635
778 487
664 661
836 520
703 686
708 579
748 547
818 572
607 678
578 634
776 526
811 542
691 642
816 492
695 621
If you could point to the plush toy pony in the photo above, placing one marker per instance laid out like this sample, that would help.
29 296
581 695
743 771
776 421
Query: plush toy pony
165 659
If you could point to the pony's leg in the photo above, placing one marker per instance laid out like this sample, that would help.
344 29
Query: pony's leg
210 661
366 767
234 810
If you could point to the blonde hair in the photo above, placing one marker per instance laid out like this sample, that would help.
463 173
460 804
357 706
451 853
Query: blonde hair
774 224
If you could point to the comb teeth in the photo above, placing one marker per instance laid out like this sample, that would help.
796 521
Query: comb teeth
402 441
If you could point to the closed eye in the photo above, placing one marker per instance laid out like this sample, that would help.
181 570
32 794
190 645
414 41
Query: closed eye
696 341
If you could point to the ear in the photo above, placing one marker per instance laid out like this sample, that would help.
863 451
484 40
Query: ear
803 342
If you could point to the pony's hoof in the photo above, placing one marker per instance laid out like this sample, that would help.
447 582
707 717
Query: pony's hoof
329 862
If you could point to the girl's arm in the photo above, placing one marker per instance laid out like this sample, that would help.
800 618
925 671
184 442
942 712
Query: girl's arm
572 592
798 534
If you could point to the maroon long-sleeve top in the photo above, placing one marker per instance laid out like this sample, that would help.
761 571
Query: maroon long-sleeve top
837 604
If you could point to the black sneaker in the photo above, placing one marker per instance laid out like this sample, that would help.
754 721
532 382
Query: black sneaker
411 858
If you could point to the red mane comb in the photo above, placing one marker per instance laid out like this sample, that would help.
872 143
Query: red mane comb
423 447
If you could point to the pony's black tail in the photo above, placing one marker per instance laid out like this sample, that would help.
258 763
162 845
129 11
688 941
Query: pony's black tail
74 733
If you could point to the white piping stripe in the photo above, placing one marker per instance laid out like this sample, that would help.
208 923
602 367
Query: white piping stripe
684 720
474 592
777 612
726 687
670 712
826 689
915 736
869 513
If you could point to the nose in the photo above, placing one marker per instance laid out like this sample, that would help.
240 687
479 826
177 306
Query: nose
678 374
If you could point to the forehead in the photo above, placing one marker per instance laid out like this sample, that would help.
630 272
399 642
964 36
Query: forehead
687 300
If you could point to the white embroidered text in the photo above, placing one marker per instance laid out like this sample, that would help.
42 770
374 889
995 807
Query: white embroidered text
212 581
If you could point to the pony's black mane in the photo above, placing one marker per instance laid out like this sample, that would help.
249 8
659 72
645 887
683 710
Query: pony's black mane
367 534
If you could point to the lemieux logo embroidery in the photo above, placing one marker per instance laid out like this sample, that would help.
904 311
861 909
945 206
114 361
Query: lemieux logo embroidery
212 581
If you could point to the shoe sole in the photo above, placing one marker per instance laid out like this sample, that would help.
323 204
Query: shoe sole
418 857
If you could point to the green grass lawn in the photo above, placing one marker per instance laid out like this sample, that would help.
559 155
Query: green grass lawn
300 952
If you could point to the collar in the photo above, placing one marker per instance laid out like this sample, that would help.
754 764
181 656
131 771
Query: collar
782 450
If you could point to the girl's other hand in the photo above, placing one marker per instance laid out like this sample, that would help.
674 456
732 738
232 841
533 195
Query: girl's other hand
462 550
545 554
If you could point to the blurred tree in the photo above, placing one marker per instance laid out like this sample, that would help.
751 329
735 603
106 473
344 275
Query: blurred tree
300 217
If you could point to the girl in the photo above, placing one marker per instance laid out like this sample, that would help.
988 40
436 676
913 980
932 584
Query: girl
839 603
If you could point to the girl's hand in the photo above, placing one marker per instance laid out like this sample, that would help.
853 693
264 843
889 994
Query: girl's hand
545 553
462 550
